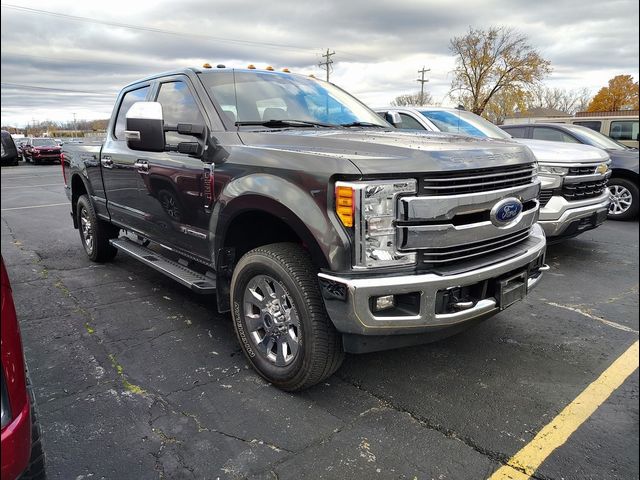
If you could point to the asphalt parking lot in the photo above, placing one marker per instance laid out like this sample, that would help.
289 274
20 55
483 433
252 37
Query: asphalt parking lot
137 377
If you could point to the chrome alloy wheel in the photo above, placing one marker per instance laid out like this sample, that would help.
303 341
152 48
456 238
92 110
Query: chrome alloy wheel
87 230
621 199
272 320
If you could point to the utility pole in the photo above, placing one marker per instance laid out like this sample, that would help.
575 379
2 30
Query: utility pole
327 63
422 82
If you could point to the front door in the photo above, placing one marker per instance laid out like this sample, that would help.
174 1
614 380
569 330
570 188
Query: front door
171 183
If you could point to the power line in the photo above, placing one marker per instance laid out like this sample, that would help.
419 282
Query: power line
327 63
151 29
21 86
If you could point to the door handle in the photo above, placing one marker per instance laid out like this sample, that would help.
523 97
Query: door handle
142 166
106 162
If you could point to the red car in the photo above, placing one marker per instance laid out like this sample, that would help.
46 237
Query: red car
39 150
20 444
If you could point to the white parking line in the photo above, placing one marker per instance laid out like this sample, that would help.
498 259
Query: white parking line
595 317
34 206
45 185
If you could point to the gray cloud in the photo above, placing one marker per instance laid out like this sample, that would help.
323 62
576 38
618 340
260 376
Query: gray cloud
379 45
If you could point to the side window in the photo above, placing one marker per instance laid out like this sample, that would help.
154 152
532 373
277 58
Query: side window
517 132
624 130
593 125
178 106
129 99
552 135
409 123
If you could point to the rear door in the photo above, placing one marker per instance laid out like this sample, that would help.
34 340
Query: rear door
118 166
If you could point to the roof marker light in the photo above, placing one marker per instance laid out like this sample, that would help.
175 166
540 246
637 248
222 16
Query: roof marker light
251 67
270 68
286 70
206 65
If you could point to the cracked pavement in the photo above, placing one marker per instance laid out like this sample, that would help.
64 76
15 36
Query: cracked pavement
137 377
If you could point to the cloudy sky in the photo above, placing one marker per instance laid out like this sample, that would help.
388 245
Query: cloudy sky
66 57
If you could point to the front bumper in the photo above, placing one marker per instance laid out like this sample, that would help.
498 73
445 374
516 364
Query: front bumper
348 299
562 218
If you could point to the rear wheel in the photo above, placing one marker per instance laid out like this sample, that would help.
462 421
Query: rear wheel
95 233
624 199
280 319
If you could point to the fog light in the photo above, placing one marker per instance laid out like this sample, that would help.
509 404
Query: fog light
384 303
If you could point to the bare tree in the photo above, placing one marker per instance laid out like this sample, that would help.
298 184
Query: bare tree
565 100
412 99
488 61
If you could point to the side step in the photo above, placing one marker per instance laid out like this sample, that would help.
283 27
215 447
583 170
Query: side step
197 282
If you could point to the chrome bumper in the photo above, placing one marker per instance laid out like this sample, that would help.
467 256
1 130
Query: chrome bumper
558 214
348 300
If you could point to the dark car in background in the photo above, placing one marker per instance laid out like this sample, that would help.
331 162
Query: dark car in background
22 454
40 150
623 183
9 150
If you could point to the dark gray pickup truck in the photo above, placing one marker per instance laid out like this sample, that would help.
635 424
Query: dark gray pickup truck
318 225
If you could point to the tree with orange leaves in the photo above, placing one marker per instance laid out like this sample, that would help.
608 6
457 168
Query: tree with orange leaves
621 94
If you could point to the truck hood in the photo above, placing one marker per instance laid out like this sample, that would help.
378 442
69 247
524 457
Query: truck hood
558 152
391 151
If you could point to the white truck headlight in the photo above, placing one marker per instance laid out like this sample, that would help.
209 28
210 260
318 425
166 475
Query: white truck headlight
374 215
550 170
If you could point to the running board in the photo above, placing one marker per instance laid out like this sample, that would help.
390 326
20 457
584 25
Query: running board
197 282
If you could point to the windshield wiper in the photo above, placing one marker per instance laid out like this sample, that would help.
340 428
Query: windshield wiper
362 124
286 123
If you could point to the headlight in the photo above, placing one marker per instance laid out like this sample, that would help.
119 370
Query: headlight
549 170
374 214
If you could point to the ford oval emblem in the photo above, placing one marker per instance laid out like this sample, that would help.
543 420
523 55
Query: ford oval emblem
505 211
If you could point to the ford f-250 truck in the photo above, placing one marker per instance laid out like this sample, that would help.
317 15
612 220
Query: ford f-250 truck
574 196
318 225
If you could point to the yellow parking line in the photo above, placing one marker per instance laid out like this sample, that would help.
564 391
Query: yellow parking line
524 463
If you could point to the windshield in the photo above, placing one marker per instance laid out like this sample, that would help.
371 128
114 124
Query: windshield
593 138
44 142
259 97
465 123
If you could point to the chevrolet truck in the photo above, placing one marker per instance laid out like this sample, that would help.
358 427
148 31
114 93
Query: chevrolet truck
320 227
574 196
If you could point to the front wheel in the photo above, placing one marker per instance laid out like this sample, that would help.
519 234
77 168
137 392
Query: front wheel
280 319
624 199
95 233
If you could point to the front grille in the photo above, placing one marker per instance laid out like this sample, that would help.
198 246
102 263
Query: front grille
478 180
580 191
582 170
545 196
447 255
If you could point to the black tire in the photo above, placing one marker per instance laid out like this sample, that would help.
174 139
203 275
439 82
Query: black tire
95 233
318 348
36 161
622 190
36 468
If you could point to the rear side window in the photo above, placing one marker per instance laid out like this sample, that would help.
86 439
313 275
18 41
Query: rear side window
624 130
593 125
178 106
517 132
409 123
129 99
552 135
